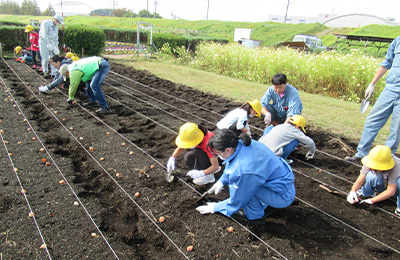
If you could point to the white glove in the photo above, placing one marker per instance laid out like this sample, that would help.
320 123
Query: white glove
216 188
352 197
206 209
368 201
267 118
195 174
56 51
171 164
309 155
369 91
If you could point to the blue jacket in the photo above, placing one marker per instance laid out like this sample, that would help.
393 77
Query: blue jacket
58 78
250 169
287 105
392 62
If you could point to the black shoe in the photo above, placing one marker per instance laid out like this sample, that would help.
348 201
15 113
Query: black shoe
103 110
353 158
91 104
242 217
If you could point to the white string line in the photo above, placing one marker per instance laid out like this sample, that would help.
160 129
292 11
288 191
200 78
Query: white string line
61 173
157 100
322 170
25 197
115 131
140 149
19 181
97 162
342 179
148 103
350 226
343 192
211 111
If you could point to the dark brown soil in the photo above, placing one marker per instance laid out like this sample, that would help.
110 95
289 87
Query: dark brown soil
136 141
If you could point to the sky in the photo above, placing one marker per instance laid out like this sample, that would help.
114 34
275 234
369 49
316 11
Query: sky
234 10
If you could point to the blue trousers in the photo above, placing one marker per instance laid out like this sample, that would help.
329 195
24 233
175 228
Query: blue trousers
93 87
387 104
375 181
289 148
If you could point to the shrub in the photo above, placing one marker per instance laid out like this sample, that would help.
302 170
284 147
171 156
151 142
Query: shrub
173 40
91 40
16 36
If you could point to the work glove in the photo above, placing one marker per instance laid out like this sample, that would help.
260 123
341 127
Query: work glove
267 118
369 91
368 201
206 209
56 51
195 174
171 164
216 188
71 101
352 197
309 155
18 59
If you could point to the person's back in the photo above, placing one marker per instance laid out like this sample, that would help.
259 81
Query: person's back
284 138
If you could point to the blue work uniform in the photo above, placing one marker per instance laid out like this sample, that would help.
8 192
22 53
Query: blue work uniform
282 107
257 178
387 104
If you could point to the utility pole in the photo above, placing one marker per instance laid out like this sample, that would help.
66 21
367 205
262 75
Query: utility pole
208 7
155 8
172 14
287 8
147 14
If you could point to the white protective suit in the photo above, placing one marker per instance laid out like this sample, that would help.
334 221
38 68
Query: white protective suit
48 44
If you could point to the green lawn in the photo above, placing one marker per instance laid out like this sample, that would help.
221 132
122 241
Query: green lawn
337 116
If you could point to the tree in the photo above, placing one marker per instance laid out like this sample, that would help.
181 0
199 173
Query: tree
130 14
9 7
144 13
156 15
120 12
30 7
49 11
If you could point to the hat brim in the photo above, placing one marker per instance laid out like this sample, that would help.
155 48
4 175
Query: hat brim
377 165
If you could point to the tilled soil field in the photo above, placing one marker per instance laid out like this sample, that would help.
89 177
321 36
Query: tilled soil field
75 185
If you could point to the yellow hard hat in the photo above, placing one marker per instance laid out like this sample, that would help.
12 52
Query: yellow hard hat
379 158
189 136
75 58
298 120
28 28
17 49
256 105
69 55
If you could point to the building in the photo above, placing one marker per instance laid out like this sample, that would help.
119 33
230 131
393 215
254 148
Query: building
333 20
321 18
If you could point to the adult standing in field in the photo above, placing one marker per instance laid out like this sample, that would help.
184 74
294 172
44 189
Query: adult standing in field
280 101
201 162
259 182
387 104
34 40
48 42
380 174
92 71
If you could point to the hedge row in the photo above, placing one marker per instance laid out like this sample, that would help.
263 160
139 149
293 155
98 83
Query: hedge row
92 39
